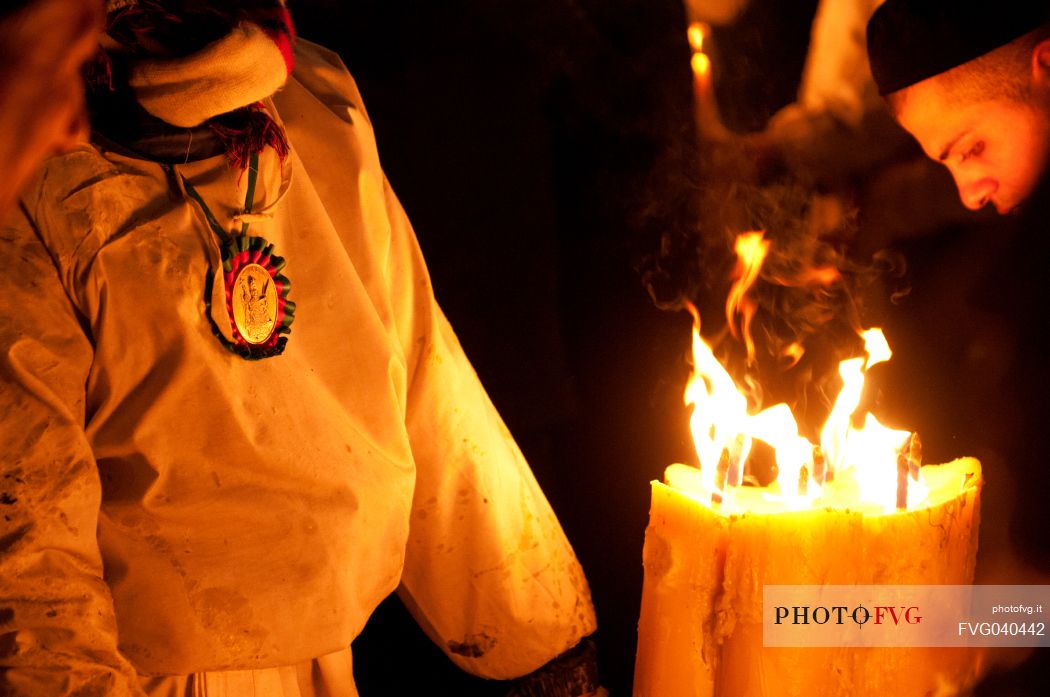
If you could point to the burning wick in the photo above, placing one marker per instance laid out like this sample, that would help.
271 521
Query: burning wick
720 477
803 481
741 449
820 474
908 462
730 472
902 481
914 456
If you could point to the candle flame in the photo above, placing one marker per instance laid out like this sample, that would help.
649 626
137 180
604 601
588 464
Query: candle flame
697 33
857 459
701 64
751 252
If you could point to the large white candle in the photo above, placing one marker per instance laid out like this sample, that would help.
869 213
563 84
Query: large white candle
857 510
700 631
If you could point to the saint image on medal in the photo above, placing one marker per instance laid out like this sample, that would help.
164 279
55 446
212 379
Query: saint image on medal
254 304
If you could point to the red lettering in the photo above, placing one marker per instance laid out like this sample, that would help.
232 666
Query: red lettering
896 614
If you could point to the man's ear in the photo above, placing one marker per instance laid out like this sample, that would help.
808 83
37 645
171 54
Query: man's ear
1041 64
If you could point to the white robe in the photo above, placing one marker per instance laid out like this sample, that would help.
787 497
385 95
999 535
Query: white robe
171 509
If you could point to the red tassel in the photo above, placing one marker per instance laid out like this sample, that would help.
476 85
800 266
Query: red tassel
246 131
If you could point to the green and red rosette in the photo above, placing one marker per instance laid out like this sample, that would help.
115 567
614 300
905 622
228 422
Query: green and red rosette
243 256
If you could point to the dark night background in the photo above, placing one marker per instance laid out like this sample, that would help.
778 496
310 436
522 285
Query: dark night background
540 150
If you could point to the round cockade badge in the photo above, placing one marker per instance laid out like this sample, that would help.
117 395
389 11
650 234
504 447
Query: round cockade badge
257 304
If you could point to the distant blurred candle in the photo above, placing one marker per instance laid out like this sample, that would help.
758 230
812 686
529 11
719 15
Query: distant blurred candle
708 121
700 62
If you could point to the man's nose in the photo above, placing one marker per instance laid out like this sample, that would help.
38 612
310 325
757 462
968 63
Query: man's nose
976 194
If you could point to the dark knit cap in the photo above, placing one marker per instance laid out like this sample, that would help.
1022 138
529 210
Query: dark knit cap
911 40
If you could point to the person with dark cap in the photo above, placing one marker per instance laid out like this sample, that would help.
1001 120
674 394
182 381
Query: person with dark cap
971 82
196 499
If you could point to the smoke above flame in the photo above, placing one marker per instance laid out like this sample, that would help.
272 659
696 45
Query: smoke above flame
793 317
865 462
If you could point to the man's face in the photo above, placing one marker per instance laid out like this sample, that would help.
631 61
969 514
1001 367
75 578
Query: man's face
997 149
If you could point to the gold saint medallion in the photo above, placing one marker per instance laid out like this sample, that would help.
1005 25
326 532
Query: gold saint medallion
254 303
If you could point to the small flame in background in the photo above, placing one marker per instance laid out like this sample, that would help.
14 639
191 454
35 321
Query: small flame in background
697 34
862 460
